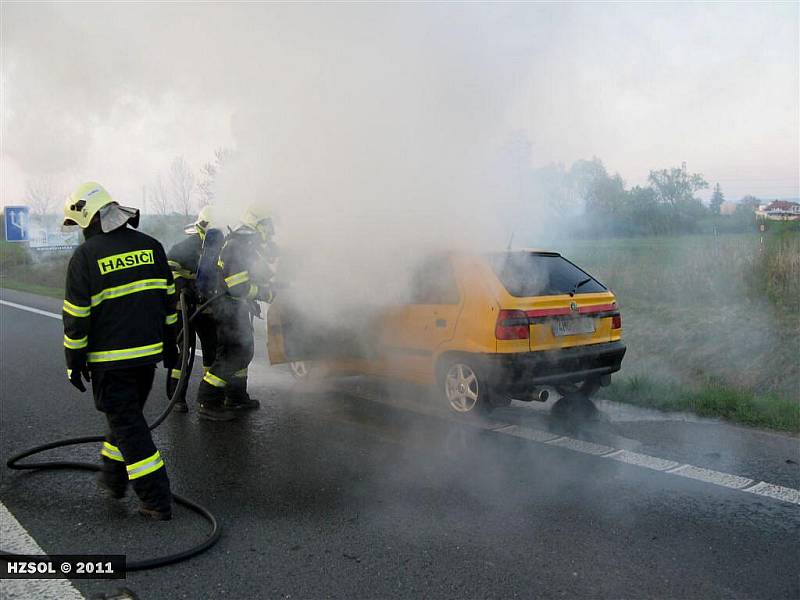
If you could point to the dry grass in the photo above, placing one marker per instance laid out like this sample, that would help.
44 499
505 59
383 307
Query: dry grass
707 308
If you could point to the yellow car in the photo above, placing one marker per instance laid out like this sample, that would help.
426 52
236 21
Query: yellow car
482 328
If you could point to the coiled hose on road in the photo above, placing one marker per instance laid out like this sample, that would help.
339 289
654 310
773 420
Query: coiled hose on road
187 359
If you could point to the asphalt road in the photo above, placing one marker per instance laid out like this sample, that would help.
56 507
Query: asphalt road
352 490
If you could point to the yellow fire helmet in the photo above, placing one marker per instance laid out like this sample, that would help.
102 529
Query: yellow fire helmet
90 198
205 219
259 219
84 202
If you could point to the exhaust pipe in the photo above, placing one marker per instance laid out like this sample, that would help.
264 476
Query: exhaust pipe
542 396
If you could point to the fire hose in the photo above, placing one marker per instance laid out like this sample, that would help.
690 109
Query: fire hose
187 359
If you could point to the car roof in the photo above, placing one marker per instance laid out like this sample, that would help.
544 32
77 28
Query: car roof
485 254
538 251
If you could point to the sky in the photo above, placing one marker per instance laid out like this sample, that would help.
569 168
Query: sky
325 93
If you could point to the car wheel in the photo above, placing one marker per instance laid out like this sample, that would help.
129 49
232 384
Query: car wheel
300 369
464 390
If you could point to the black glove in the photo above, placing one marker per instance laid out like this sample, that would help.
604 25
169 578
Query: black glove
74 376
170 356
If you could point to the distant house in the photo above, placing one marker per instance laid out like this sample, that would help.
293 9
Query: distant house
727 208
779 210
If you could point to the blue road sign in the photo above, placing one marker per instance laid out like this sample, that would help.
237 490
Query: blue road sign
17 223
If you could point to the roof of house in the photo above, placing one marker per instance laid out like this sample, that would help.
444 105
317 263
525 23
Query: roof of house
782 205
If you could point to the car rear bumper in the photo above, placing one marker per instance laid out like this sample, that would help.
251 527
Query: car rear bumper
521 371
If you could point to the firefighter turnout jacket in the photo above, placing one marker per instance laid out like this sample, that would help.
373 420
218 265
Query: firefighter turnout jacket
244 266
119 306
183 259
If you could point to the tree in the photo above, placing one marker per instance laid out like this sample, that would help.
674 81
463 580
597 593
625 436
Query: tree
717 198
750 202
159 199
209 172
584 176
675 186
41 196
182 186
675 189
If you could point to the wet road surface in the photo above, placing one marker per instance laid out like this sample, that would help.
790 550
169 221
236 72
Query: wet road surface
352 490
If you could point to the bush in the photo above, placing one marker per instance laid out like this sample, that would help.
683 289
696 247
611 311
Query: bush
775 272
13 254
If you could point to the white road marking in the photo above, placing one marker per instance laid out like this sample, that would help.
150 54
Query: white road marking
626 456
18 541
662 465
775 491
44 313
716 477
581 446
642 460
528 433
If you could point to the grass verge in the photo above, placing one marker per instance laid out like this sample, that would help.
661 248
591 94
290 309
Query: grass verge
32 288
712 399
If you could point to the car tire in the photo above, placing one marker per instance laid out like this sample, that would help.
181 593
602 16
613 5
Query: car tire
464 389
300 369
587 388
575 407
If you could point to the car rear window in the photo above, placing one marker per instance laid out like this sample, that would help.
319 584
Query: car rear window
541 274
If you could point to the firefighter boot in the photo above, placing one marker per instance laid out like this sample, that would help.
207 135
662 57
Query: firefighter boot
113 477
236 396
210 401
155 495
155 514
111 488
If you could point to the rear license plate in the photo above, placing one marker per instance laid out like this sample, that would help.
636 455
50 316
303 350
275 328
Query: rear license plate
562 327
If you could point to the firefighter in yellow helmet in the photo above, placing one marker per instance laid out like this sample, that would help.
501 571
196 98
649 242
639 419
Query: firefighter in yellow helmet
119 321
184 258
245 275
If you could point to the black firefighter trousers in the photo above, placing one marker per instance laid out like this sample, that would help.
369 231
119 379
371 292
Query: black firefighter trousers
205 326
227 376
129 453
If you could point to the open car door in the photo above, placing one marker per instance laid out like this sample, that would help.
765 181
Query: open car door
275 349
297 335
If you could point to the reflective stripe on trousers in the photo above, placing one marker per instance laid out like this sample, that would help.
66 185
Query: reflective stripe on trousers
212 379
146 466
112 452
137 469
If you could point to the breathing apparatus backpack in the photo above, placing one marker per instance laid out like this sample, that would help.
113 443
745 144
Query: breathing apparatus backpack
207 272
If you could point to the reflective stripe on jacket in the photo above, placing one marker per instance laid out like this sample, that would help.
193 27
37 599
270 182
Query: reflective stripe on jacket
119 303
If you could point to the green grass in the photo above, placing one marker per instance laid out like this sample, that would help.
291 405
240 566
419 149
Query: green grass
696 309
700 308
44 276
32 288
713 399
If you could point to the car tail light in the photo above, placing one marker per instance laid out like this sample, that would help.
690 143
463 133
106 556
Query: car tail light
512 325
616 321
